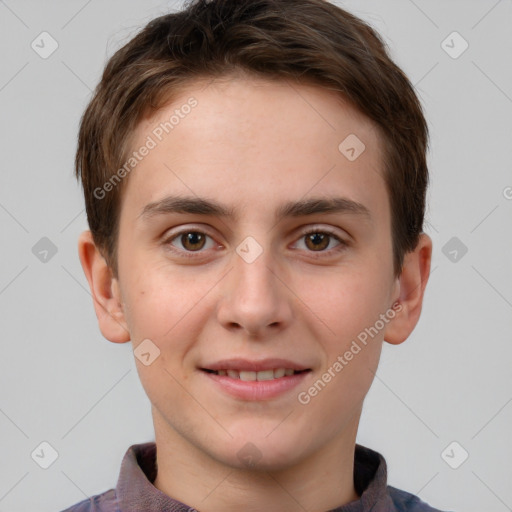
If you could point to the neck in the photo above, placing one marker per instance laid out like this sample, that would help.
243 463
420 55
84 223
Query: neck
321 482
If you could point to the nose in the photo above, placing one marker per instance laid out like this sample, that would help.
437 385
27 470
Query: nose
255 297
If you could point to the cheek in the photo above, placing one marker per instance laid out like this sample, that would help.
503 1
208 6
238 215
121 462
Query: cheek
160 313
154 300
351 340
169 308
347 302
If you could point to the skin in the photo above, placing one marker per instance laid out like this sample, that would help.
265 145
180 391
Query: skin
253 144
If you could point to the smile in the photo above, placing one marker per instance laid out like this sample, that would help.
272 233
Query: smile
250 385
262 375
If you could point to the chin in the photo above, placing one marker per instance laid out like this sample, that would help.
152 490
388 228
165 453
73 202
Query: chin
260 453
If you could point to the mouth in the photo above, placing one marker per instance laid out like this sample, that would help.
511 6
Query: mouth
249 379
251 376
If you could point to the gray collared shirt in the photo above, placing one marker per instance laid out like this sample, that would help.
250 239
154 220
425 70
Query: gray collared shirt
135 491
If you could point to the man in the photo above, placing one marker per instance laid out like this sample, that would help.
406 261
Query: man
254 175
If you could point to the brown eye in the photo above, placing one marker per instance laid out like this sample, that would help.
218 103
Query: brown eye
193 240
317 241
187 242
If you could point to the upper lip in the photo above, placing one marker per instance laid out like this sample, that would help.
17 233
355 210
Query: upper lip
254 366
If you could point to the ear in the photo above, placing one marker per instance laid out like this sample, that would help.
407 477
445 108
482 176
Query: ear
411 287
104 290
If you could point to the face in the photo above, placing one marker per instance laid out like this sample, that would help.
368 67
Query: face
280 248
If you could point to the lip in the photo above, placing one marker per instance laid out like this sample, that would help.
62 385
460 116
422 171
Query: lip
255 390
254 366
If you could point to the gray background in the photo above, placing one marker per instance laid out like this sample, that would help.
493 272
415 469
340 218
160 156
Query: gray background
62 383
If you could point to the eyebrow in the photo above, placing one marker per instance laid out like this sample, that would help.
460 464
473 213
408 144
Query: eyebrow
304 207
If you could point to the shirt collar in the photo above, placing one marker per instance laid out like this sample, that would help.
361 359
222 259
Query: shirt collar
135 490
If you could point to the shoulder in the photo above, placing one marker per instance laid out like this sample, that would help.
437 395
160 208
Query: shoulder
407 502
105 502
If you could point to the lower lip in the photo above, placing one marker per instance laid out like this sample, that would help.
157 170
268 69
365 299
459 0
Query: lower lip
256 390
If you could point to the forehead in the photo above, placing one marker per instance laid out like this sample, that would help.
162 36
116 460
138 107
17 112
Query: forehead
257 142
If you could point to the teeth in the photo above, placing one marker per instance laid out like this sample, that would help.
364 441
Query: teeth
276 373
279 373
247 375
264 375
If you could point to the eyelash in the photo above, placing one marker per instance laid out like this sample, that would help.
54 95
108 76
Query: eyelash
192 254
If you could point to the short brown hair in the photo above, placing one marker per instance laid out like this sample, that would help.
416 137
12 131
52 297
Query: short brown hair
309 41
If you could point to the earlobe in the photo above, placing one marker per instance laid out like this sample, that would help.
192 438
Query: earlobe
104 290
412 283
